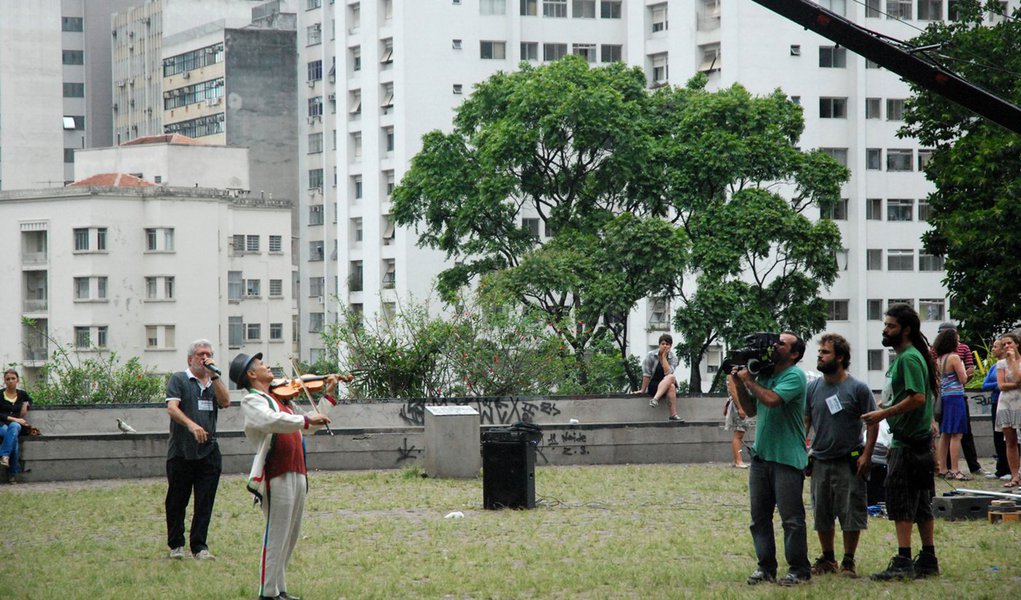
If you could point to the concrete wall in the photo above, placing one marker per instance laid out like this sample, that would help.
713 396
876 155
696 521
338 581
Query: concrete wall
84 443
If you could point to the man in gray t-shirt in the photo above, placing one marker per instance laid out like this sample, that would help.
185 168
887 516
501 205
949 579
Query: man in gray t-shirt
840 461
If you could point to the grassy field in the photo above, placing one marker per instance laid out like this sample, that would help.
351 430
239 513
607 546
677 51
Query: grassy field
655 531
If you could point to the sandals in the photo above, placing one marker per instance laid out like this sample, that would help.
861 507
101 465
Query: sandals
1012 483
958 476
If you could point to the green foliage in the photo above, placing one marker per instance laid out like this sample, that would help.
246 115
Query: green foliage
95 377
976 168
484 348
639 193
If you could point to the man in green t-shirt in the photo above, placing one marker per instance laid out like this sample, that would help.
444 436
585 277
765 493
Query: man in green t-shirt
776 478
907 407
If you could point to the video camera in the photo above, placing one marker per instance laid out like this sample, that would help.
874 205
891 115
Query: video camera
759 356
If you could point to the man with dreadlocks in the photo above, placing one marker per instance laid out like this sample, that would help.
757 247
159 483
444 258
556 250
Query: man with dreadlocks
907 405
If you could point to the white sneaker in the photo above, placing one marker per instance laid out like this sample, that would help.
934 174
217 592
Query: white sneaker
204 555
5 461
177 553
1005 477
654 403
991 476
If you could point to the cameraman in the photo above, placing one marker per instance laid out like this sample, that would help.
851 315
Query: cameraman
776 478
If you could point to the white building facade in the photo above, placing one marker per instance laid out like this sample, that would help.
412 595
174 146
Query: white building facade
144 271
395 70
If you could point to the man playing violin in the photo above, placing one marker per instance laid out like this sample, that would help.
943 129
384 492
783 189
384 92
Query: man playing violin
276 428
194 397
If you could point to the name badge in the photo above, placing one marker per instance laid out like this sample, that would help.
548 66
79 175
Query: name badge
833 402
206 405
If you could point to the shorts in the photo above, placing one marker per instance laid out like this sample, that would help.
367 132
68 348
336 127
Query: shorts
734 422
910 483
838 494
955 419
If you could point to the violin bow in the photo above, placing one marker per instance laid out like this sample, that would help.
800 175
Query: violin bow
297 373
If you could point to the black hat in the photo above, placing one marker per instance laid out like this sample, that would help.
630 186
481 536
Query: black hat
947 325
239 368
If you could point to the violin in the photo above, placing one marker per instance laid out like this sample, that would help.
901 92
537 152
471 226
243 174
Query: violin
286 389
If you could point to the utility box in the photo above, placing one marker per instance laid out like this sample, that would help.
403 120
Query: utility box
955 508
451 442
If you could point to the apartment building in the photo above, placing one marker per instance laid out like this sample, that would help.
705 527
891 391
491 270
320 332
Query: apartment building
381 73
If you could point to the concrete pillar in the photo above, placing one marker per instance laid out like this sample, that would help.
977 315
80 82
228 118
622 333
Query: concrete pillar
452 441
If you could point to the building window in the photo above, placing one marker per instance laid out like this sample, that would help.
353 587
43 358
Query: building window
874 159
315 142
900 209
900 260
932 309
611 53
73 57
837 310
355 276
74 90
276 243
389 228
316 320
492 7
930 10
194 59
315 214
492 50
356 187
610 9
659 313
235 332
252 243
552 52
90 288
387 93
583 9
235 285
388 139
658 17
356 229
388 183
587 51
198 127
531 226
898 9
874 259
924 211
389 274
895 109
387 52
711 58
874 209
315 251
832 57
835 6
209 92
873 9
554 8
315 70
315 179
314 34
898 159
356 58
313 4
159 239
72 24
159 337
840 256
874 310
837 154
873 108
529 50
159 287
930 263
253 288
529 8
660 68
832 108
276 288
876 360
924 156
316 286
315 106
276 332
837 212
253 332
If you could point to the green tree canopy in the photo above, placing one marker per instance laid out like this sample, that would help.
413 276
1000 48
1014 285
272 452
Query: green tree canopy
976 168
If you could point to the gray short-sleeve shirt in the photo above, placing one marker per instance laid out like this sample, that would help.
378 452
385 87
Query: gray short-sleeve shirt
836 412
199 404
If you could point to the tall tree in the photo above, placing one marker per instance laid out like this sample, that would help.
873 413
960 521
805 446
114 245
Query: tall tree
738 186
976 169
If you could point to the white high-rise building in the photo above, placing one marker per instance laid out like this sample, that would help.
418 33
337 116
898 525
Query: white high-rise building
381 73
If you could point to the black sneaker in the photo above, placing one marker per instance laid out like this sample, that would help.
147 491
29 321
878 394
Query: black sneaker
823 566
900 567
793 579
926 565
847 568
676 419
760 576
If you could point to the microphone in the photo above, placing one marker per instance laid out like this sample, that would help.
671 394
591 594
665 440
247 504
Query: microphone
213 368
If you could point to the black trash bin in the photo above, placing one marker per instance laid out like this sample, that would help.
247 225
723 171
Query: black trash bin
508 466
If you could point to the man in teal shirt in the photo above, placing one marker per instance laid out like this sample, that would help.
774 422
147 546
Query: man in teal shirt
907 407
777 475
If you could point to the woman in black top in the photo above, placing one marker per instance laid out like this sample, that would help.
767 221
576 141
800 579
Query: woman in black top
13 408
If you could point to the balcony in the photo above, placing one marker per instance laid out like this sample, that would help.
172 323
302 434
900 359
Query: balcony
35 305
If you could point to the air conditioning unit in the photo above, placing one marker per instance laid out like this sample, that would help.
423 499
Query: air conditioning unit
332 97
311 120
311 83
322 300
213 102
186 75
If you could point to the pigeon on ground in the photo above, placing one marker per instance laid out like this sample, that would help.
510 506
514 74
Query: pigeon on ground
125 427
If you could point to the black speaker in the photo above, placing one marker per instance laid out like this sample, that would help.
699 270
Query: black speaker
508 474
